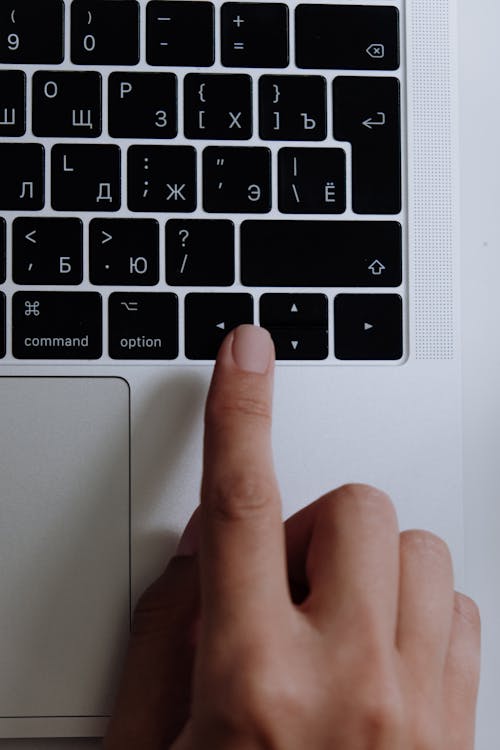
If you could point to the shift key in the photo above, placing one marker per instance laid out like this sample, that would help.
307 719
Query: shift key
59 325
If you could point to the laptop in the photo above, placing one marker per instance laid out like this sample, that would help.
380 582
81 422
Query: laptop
170 170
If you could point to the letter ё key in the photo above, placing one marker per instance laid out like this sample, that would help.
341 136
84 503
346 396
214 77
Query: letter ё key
32 32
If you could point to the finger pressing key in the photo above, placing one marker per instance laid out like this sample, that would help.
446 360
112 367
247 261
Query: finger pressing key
242 555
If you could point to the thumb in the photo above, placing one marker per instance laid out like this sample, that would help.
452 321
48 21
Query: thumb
153 701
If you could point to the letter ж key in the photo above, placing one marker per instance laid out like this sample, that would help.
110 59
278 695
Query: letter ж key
57 325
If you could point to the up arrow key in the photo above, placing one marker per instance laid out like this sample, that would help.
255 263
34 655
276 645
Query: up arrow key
294 308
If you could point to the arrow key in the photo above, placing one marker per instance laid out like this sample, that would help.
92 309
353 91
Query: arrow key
210 317
368 326
298 324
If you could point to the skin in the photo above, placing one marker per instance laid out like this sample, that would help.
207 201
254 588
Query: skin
333 630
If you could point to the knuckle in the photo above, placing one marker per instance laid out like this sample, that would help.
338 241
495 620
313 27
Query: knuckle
383 717
425 544
240 496
229 407
362 498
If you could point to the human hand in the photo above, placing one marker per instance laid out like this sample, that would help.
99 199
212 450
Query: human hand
331 631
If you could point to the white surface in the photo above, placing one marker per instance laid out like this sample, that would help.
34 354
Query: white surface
480 154
481 266
65 571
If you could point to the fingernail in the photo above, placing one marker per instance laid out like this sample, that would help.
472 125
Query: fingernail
188 544
252 348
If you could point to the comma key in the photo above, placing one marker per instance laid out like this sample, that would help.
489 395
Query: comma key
52 325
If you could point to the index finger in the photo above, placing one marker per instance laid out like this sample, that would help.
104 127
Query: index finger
242 548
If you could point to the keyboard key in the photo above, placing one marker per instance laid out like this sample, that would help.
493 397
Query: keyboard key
367 114
311 180
254 35
210 317
236 180
47 251
298 324
143 326
162 178
12 103
105 33
32 32
2 325
200 252
350 37
67 105
124 252
368 326
22 183
142 105
57 325
292 108
218 106
86 178
180 33
2 251
321 253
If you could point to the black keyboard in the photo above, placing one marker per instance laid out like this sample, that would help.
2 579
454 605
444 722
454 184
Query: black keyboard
172 169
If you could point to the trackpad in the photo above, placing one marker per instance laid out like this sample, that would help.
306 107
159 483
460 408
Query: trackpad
64 544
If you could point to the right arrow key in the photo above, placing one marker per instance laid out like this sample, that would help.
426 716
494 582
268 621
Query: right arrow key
368 326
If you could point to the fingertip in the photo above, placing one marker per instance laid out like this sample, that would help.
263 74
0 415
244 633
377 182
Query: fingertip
252 349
